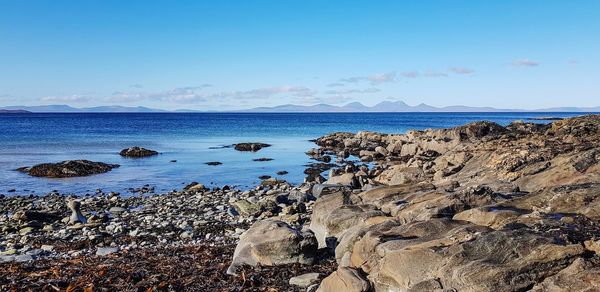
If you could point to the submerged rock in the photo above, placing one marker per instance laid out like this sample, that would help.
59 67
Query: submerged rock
68 168
137 152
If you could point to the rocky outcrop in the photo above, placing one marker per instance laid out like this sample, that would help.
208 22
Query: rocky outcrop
137 152
69 168
479 207
253 147
273 242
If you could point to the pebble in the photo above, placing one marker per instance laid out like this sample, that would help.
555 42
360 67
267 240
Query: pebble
103 251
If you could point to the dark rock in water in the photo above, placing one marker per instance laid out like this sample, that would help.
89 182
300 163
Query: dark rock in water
264 177
12 190
137 152
262 159
173 161
283 172
68 168
250 146
213 163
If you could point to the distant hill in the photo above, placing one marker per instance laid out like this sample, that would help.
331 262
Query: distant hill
385 106
70 109
6 111
400 106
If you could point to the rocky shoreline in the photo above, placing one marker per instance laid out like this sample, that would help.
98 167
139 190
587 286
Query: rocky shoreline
479 207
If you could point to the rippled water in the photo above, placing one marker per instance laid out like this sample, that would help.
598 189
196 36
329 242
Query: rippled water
189 138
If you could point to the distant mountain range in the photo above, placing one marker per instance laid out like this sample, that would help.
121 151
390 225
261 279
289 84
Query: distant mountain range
69 109
6 111
386 106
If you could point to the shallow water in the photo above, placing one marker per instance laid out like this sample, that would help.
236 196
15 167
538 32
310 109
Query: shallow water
189 138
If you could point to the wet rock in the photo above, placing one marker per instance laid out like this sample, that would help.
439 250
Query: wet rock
213 163
282 172
253 147
68 168
137 152
263 159
273 242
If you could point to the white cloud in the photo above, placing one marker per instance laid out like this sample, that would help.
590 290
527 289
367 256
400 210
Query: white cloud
461 70
525 63
410 74
335 84
194 94
435 74
67 98
374 79
352 91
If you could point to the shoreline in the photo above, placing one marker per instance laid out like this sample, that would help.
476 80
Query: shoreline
524 198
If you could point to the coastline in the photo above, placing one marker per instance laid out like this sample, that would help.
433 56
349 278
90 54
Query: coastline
459 196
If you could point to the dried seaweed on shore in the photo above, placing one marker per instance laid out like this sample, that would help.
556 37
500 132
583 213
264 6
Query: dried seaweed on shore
192 268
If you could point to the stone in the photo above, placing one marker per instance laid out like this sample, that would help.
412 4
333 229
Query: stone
68 168
273 242
345 279
582 275
137 152
213 163
253 147
76 215
104 251
305 280
117 210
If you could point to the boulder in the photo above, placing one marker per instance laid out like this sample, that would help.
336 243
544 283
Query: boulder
137 152
253 147
345 279
273 242
582 275
68 168
305 280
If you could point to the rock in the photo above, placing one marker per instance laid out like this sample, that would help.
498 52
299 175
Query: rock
76 216
345 279
137 152
68 168
382 151
194 187
581 275
273 242
305 280
264 177
117 210
282 172
250 146
213 163
262 159
319 190
346 179
104 251
47 248
23 258
31 215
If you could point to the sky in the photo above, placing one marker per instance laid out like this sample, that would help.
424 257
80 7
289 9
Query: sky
225 55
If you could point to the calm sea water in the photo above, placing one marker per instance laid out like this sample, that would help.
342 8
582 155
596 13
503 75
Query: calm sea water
189 138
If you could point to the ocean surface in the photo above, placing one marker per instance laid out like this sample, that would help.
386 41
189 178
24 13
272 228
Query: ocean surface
191 139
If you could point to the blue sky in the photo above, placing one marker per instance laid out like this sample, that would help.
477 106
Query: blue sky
241 54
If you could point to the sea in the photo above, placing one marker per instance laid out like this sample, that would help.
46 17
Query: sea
186 141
